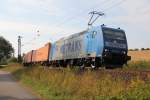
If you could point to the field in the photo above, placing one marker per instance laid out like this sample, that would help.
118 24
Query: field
140 55
73 84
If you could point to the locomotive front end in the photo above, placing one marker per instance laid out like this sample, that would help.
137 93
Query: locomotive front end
115 47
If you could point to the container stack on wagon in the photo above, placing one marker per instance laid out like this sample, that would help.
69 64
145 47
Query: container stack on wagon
34 56
27 59
42 54
39 56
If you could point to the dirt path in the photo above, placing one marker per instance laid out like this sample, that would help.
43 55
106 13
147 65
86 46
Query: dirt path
11 90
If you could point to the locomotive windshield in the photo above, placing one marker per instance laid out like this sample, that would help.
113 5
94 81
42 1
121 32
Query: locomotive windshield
114 38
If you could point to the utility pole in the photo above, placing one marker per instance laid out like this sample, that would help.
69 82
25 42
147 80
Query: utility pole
92 19
19 49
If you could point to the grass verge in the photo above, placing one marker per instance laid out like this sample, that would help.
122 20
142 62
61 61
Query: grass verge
66 84
138 65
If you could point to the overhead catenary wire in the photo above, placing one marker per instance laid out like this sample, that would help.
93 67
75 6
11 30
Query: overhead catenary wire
69 19
115 4
109 8
104 3
106 9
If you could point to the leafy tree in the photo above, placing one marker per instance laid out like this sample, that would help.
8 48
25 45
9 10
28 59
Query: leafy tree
147 48
142 49
136 49
6 49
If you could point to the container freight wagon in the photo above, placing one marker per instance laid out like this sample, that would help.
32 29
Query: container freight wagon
93 47
41 55
34 56
27 59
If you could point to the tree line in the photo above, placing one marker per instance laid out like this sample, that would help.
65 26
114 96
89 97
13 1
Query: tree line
6 50
136 49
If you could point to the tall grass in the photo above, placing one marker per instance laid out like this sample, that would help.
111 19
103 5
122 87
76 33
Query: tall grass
138 65
11 67
67 84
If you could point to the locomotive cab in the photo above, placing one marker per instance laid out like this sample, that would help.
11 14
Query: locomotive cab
115 47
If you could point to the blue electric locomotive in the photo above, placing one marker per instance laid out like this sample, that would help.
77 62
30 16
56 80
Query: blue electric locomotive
94 47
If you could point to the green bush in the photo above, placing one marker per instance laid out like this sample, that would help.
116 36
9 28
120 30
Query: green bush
12 60
3 61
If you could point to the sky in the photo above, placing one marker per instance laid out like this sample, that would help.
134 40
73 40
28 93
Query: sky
42 21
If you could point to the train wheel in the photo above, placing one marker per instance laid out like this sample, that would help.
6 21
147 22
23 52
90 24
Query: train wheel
93 66
82 67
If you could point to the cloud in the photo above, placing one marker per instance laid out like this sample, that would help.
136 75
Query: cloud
12 29
55 19
16 26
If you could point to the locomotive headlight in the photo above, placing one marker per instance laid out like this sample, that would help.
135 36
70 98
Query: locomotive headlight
106 50
124 52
